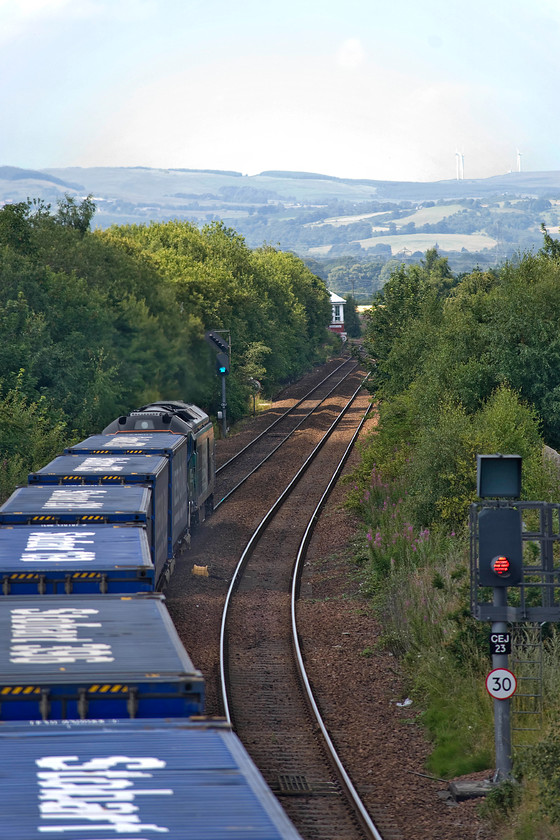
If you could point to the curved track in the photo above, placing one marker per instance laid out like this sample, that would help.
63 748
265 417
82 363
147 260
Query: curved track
240 467
264 687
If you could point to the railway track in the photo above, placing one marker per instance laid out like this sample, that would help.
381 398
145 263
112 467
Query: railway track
265 691
243 464
358 689
311 793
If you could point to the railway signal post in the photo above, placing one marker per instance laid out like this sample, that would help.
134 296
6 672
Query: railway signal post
500 564
223 358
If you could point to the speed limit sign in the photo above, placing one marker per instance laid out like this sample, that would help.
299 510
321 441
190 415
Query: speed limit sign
501 683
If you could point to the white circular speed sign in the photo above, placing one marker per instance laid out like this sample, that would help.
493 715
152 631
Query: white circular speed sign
501 683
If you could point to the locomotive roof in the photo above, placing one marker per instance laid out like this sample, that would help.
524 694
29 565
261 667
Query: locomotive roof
169 416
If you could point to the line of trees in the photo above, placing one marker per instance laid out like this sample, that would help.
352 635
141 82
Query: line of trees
95 323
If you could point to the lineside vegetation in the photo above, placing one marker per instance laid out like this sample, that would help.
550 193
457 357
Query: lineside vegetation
461 365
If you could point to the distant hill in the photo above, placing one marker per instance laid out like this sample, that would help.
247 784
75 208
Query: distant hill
319 217
14 173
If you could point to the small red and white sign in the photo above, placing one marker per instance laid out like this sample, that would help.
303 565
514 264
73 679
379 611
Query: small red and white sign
501 683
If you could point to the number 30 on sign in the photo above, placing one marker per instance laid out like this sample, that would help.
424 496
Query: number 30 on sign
501 683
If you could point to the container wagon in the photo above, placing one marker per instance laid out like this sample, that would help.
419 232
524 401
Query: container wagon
148 470
183 780
172 446
48 505
58 559
93 657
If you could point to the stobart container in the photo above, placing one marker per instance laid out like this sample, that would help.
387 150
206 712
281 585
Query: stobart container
48 505
58 559
70 780
173 446
150 470
93 657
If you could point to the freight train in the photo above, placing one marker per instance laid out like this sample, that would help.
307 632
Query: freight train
102 725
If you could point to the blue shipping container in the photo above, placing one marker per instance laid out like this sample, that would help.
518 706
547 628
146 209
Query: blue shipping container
132 779
173 446
48 505
58 559
151 470
93 657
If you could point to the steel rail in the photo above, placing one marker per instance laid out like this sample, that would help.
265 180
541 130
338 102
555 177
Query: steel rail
253 541
284 439
284 414
361 814
365 820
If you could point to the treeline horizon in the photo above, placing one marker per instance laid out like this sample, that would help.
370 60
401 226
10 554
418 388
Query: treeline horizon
97 323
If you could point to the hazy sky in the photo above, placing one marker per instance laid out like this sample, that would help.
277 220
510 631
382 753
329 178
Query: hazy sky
387 89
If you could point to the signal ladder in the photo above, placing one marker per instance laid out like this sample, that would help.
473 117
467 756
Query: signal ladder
527 702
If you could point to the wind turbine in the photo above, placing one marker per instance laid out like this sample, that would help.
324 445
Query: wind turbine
518 161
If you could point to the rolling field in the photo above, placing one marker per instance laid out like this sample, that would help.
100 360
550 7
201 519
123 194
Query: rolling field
422 242
339 221
430 215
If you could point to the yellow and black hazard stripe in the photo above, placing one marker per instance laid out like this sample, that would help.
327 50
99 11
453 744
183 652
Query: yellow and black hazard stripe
116 688
19 689
91 517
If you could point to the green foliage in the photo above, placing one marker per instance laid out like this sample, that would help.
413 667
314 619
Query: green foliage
14 227
31 434
253 366
418 583
542 763
351 318
96 323
74 214
551 247
500 803
275 308
460 341
460 369
458 718
442 474
348 278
